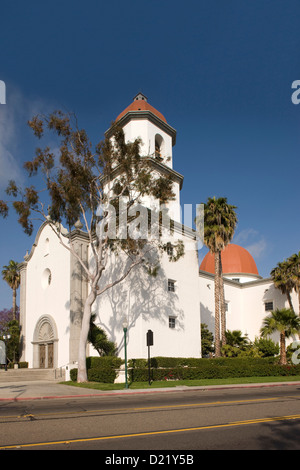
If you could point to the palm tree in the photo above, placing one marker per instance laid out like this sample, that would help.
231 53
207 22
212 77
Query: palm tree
286 322
219 224
294 265
98 338
236 339
11 275
283 280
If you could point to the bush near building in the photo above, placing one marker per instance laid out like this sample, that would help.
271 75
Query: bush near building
170 368
104 369
100 369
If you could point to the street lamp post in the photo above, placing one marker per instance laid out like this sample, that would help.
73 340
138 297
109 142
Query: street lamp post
6 337
125 326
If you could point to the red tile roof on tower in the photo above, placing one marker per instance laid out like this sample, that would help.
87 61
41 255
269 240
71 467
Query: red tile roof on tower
140 103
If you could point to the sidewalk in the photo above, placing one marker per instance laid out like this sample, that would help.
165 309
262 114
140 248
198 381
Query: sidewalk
17 391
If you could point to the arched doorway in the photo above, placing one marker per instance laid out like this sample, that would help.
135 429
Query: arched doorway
45 340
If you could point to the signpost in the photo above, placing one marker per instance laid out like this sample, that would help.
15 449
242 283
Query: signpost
149 343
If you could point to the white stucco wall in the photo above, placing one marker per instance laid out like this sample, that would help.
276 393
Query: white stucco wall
254 297
43 299
147 131
246 304
147 304
233 297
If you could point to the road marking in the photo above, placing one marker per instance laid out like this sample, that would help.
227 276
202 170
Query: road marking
147 408
208 403
153 433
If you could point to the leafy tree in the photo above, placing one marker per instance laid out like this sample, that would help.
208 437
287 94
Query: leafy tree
219 224
207 339
11 328
5 317
11 275
82 184
13 344
284 321
98 338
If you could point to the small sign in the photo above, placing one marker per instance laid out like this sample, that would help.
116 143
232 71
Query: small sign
149 343
149 338
2 353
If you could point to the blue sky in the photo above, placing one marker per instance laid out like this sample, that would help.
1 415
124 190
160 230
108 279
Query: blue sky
220 72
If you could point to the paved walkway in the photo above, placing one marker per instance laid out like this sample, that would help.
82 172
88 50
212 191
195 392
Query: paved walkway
16 391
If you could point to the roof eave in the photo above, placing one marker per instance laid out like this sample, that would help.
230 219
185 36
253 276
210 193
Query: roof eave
145 114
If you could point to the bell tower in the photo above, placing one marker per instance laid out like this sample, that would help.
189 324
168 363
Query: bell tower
142 120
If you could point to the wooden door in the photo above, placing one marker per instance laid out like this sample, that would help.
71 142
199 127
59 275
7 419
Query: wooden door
50 356
42 350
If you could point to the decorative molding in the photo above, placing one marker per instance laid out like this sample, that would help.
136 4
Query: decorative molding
45 330
240 285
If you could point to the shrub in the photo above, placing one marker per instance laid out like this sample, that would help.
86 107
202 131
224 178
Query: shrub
96 362
73 375
100 369
103 374
230 351
218 368
267 347
23 365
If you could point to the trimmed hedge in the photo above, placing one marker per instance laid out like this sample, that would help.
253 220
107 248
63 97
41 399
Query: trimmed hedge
168 362
193 368
217 372
100 369
21 365
103 369
96 362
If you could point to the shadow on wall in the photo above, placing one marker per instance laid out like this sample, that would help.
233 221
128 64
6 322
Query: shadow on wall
139 295
272 294
207 317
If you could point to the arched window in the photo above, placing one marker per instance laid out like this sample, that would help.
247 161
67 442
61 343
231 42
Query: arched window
159 147
46 278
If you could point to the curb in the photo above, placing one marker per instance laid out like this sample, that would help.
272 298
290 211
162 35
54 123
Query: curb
153 391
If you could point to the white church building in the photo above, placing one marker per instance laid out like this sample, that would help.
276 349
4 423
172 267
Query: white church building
173 304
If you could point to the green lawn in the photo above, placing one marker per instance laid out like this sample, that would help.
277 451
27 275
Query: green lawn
188 383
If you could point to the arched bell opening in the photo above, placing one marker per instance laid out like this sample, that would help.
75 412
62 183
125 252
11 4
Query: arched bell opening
159 147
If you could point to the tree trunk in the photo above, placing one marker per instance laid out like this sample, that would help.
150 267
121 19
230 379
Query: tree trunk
85 327
217 307
288 294
14 303
222 303
282 349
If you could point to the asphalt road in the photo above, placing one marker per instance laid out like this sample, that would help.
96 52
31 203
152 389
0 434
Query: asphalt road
179 423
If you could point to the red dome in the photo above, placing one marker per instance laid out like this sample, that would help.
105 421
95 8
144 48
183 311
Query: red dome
140 104
235 259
